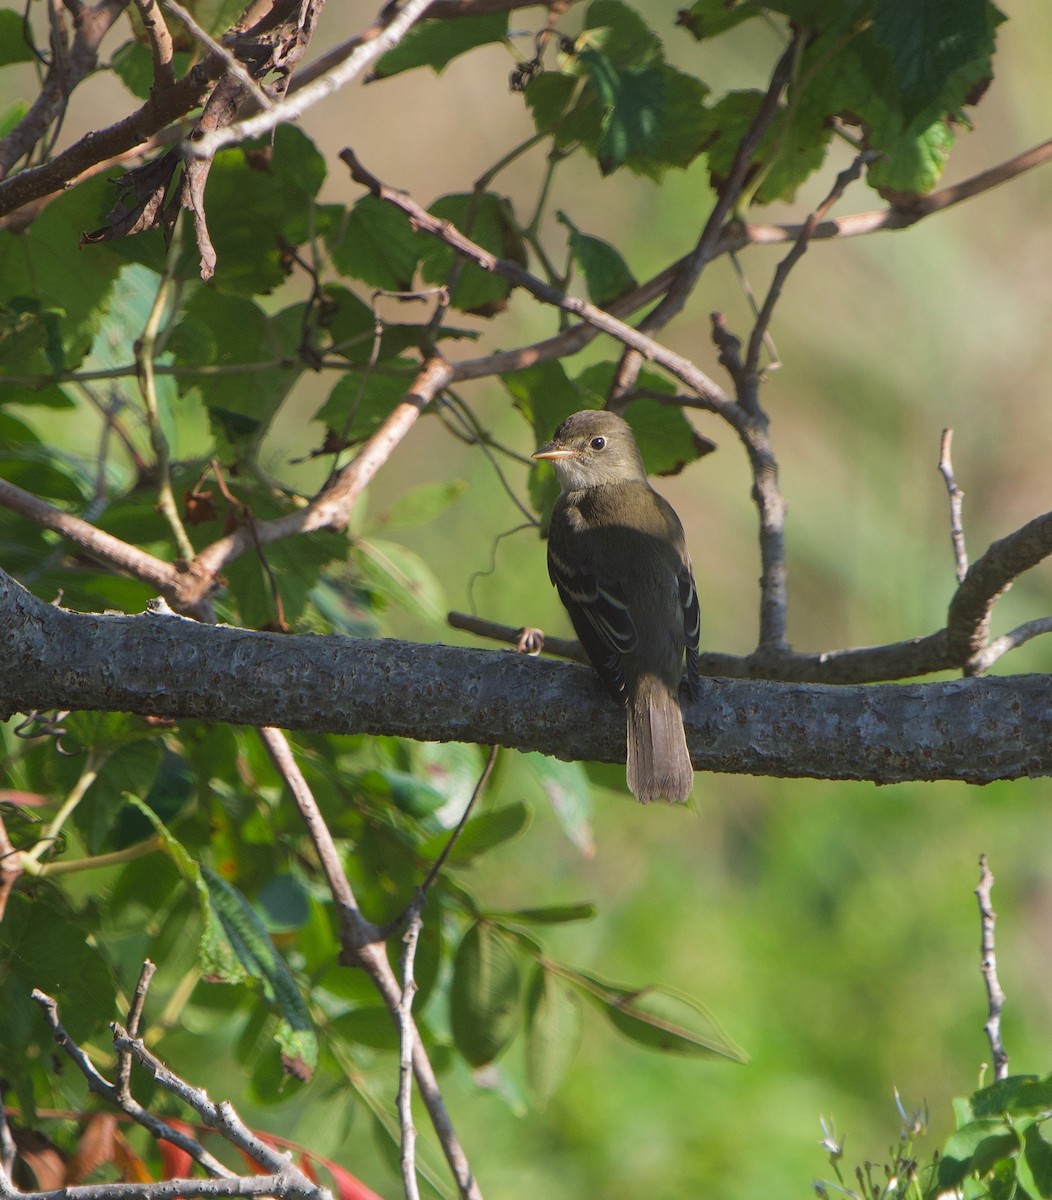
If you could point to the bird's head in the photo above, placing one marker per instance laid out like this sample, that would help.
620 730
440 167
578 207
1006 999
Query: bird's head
593 448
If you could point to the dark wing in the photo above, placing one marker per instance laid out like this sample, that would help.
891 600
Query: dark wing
688 599
600 618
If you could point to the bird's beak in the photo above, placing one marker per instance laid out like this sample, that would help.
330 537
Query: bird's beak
551 451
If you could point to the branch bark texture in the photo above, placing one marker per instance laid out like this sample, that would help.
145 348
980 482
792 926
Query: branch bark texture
976 730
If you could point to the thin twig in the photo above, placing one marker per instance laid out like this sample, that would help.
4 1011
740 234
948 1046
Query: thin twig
960 554
447 849
100 1086
362 947
995 997
406 1034
988 578
235 67
162 49
294 106
145 348
561 647
124 1061
682 368
799 249
1000 646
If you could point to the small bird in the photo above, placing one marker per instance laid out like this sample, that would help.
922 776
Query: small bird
617 555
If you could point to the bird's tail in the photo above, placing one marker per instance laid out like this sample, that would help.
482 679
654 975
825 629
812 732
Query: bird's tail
659 766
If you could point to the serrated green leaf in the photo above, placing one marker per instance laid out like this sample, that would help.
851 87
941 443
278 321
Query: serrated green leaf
220 330
42 947
548 96
553 1033
653 117
402 577
377 244
481 833
1014 1095
625 38
360 402
659 1018
489 221
974 1147
35 264
484 995
930 40
605 272
913 162
423 503
435 44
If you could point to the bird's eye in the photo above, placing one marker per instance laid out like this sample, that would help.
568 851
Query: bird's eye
598 443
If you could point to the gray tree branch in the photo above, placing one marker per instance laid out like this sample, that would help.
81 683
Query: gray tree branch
973 729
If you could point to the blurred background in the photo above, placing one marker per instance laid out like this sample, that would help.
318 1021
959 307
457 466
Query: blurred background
830 928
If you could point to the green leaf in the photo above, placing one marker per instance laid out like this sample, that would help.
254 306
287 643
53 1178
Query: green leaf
569 791
285 903
368 1025
132 768
914 160
238 948
605 272
929 40
1037 1154
1014 1095
33 472
132 63
402 577
484 995
974 1147
408 793
282 187
13 45
361 401
548 96
232 333
553 914
546 396
377 244
659 1018
435 44
423 503
171 790
43 947
624 36
34 269
553 1033
489 221
708 18
480 834
653 117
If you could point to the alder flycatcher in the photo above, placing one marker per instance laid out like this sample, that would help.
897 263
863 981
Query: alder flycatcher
617 555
